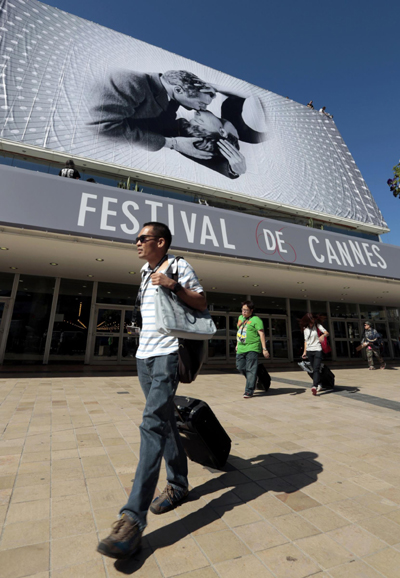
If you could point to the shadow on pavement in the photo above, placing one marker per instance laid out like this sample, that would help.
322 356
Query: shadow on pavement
277 472
279 391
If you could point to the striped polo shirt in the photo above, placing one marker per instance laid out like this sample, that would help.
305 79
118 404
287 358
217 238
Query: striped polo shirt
151 342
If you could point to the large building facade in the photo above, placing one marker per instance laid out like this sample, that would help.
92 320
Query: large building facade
290 223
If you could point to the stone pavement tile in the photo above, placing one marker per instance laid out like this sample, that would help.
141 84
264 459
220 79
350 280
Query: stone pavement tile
245 566
7 482
325 551
258 473
69 505
9 465
30 493
394 516
322 493
181 557
354 569
202 521
202 573
392 494
351 510
108 483
294 526
382 527
91 569
64 454
73 550
99 471
371 483
324 519
377 503
163 533
25 534
106 498
238 515
63 526
287 561
24 561
222 545
105 517
269 507
142 565
357 540
386 561
42 456
298 501
97 451
72 487
5 496
34 467
260 536
345 488
28 511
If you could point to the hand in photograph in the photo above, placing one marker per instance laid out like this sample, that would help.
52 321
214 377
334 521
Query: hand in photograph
236 160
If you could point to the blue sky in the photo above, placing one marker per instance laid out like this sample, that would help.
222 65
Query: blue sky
342 54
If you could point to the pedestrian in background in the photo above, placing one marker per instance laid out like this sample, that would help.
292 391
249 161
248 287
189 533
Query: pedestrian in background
69 171
371 341
314 334
250 343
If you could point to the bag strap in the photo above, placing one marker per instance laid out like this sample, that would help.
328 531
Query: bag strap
137 300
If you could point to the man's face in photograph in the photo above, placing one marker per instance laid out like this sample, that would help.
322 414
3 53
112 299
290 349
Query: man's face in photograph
199 101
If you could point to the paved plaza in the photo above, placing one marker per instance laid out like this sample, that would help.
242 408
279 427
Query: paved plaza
312 486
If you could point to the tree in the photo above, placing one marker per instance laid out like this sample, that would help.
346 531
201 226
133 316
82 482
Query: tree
394 183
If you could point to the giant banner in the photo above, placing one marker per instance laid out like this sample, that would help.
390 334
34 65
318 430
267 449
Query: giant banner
70 85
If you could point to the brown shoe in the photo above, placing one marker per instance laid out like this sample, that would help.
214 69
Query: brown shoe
169 499
124 540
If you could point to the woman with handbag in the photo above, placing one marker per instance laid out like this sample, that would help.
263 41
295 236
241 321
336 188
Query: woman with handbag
314 342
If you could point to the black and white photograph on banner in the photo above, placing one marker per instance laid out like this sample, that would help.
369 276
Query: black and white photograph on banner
72 86
148 111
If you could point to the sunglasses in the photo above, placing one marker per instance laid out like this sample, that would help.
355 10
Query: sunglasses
145 238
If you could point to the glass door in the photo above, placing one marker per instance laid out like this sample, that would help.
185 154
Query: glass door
112 342
347 337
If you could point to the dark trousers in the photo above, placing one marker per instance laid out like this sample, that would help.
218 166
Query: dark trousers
246 364
315 358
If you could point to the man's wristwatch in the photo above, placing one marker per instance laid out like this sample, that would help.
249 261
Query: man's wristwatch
265 349
177 288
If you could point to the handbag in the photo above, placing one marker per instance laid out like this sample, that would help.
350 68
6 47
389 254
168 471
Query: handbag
176 319
326 348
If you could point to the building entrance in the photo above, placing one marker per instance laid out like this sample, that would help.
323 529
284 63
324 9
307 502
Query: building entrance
111 343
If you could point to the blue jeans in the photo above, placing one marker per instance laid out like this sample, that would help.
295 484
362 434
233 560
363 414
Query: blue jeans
246 364
159 435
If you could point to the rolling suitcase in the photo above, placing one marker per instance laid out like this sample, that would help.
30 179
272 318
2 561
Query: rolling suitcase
327 377
263 382
204 439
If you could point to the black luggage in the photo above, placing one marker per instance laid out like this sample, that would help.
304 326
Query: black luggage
327 377
263 378
204 439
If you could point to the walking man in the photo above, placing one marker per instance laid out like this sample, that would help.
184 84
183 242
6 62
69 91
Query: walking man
157 366
250 343
370 340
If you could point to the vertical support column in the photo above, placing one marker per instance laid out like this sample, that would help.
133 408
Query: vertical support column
92 324
330 325
8 316
51 321
289 329
390 344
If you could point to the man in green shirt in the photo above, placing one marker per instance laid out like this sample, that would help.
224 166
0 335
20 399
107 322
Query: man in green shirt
250 343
